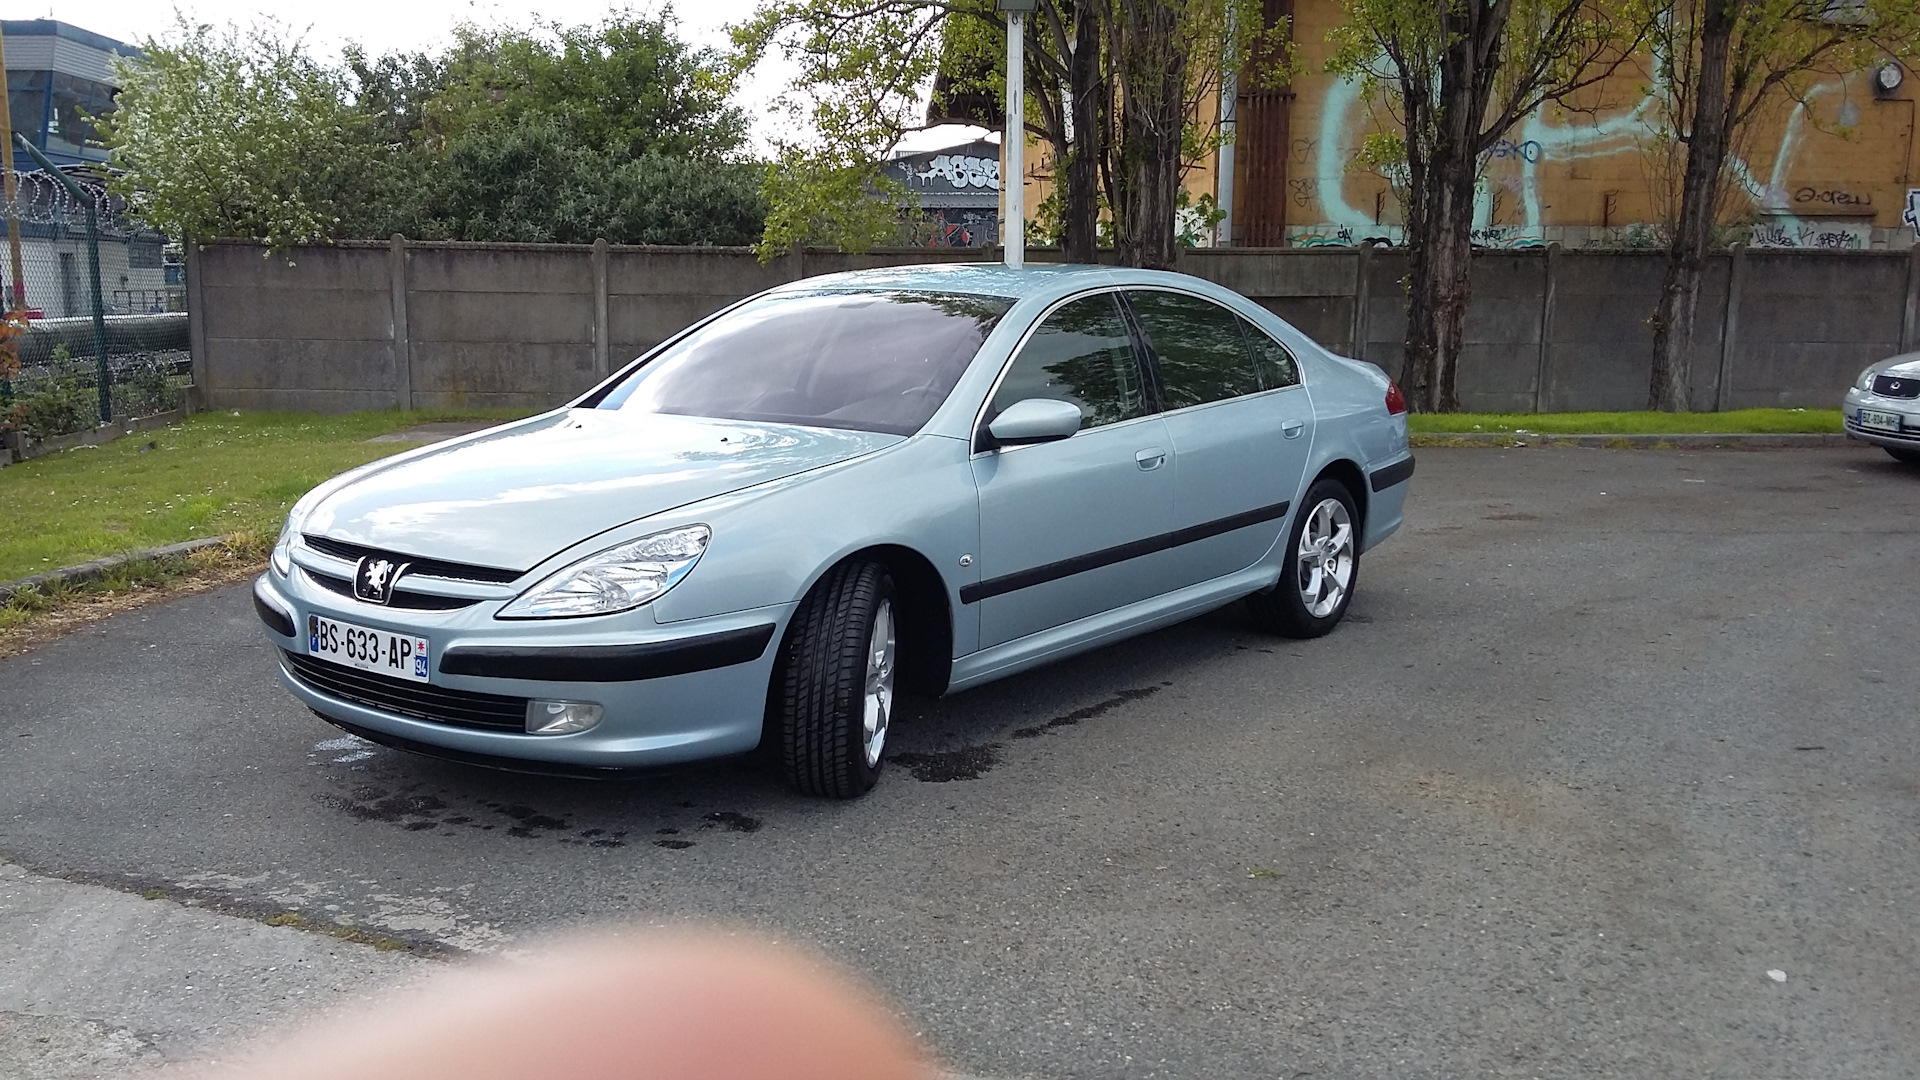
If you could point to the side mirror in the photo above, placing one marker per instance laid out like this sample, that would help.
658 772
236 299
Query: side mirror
1035 420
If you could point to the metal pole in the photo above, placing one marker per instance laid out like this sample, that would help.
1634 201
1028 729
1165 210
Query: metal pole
16 311
1015 136
105 375
1229 129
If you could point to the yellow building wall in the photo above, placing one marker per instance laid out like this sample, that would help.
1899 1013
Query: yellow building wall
1839 171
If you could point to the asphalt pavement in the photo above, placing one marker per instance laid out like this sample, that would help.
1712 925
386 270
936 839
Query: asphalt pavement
1609 772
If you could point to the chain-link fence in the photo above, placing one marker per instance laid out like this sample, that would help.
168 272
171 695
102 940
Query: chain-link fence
96 328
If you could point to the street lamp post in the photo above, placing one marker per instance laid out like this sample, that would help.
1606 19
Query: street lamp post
1014 135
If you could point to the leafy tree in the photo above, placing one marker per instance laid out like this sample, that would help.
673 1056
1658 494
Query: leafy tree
1457 75
626 85
232 133
1724 64
617 130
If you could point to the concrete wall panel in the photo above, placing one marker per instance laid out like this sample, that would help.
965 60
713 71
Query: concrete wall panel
466 367
296 364
328 314
543 318
311 328
500 269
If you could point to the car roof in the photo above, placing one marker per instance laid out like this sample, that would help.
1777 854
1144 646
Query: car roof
982 279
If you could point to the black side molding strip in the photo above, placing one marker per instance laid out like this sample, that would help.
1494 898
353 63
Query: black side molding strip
277 621
1094 560
609 663
1396 473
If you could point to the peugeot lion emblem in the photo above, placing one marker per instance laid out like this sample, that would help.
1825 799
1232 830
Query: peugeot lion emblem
374 579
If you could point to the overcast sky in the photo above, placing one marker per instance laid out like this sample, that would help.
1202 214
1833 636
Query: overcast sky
412 25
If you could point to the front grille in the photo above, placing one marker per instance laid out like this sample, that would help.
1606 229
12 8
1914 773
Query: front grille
430 567
401 598
424 701
1897 386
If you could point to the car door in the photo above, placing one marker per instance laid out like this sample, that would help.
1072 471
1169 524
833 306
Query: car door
1240 423
1073 527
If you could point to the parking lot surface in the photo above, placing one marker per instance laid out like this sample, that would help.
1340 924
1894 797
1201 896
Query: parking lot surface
1609 742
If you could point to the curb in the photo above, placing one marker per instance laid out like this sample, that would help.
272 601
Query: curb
1633 442
21 449
88 571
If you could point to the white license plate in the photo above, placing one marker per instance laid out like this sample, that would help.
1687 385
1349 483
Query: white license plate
382 652
1875 419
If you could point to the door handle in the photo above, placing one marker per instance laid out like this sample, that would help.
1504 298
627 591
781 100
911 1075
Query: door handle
1292 428
1150 459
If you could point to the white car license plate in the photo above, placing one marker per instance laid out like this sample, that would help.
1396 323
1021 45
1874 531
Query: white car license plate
1875 419
382 652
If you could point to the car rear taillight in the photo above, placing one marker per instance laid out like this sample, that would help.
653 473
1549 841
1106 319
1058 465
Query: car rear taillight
1396 401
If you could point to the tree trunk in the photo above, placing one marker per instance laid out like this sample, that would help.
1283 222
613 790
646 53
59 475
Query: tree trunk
1687 249
1081 222
1443 176
1152 117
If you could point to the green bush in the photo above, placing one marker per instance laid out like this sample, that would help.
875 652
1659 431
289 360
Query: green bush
145 387
59 403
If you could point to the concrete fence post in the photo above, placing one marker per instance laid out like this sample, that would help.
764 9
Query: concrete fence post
600 343
197 328
1910 320
402 348
1362 281
1543 370
1730 330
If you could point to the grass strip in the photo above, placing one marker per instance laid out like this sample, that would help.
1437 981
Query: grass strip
1735 422
213 474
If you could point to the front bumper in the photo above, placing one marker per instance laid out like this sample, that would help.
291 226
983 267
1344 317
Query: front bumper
672 692
1908 409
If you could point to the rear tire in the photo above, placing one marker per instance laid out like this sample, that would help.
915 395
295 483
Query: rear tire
833 695
1322 567
1902 455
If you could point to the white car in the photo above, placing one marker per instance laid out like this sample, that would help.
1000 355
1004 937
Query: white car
1883 407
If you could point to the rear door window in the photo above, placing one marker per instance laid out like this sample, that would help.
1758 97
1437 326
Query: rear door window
1202 354
1271 360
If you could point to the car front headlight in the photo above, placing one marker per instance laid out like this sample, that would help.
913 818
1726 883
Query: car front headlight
282 557
1865 381
617 579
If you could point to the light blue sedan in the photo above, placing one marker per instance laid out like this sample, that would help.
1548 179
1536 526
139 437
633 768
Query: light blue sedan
908 480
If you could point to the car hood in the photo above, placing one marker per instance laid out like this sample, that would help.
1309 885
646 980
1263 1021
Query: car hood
1904 364
512 497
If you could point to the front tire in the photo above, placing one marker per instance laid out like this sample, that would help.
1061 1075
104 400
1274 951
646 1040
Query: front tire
1323 566
834 692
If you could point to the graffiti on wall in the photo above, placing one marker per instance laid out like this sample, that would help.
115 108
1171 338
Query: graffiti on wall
1821 235
1511 192
1912 214
964 172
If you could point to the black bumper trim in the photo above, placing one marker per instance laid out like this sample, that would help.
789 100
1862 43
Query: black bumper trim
1396 473
609 663
278 621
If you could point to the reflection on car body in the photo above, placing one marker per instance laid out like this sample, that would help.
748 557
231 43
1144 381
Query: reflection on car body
918 479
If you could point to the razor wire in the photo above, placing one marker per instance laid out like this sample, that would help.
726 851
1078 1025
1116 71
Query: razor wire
40 199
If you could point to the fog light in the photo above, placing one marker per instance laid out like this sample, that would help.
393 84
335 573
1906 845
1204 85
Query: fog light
561 717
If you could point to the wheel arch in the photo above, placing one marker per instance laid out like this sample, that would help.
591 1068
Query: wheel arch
1354 479
924 615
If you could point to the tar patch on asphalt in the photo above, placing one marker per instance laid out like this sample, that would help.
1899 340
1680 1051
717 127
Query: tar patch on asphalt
969 762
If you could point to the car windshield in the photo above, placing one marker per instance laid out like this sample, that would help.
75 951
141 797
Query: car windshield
873 361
